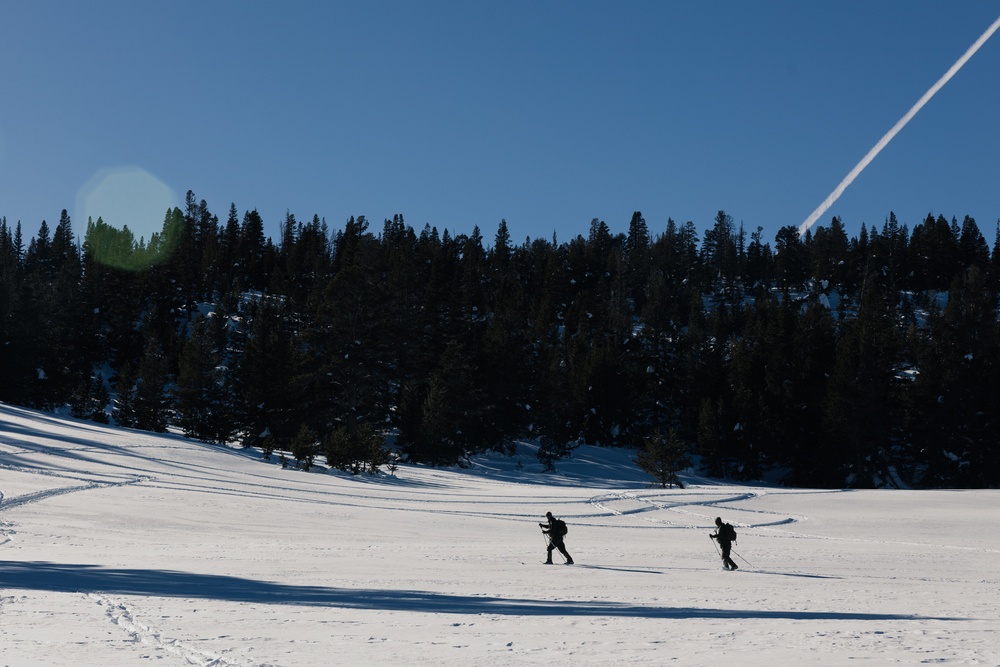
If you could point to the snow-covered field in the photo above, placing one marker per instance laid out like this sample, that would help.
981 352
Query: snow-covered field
125 548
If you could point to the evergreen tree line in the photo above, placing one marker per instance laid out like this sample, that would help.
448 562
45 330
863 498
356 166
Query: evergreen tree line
826 360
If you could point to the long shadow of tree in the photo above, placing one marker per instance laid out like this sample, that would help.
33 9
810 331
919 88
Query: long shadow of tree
81 578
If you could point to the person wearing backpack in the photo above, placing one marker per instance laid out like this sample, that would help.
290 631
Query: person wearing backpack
725 534
556 530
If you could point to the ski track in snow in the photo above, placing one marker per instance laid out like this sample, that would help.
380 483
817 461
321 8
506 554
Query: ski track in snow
626 503
684 510
129 622
7 530
649 503
24 499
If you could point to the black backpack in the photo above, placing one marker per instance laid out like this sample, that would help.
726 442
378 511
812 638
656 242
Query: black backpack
559 528
728 532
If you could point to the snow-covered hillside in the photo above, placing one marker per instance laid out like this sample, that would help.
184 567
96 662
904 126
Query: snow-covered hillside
125 548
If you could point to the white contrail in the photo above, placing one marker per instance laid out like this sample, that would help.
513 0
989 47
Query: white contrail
877 148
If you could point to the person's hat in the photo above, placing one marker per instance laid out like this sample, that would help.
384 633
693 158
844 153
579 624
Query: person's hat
548 514
718 520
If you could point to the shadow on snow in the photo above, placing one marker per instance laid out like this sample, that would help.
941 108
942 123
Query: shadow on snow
81 578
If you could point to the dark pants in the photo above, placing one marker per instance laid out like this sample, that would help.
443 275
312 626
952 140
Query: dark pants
727 562
556 542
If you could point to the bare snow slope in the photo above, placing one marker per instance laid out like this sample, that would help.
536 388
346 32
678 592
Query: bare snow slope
125 548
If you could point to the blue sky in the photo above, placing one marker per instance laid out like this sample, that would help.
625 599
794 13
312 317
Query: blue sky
546 114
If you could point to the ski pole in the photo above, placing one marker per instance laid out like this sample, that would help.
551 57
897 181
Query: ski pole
716 546
548 543
742 558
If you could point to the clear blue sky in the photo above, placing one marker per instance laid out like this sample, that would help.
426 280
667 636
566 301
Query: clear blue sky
544 113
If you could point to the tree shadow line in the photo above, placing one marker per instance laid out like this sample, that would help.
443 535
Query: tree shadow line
85 578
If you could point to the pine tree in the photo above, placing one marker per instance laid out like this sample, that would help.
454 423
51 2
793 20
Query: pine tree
637 260
349 343
663 457
203 397
362 450
721 257
141 400
90 400
124 410
954 418
550 451
267 378
791 261
861 408
304 447
152 404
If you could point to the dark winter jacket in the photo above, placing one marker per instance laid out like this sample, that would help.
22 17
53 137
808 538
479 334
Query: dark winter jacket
552 529
724 534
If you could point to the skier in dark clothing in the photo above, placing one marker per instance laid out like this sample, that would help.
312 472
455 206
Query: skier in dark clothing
725 534
555 529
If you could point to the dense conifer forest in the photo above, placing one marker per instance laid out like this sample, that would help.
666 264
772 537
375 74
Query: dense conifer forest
818 360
